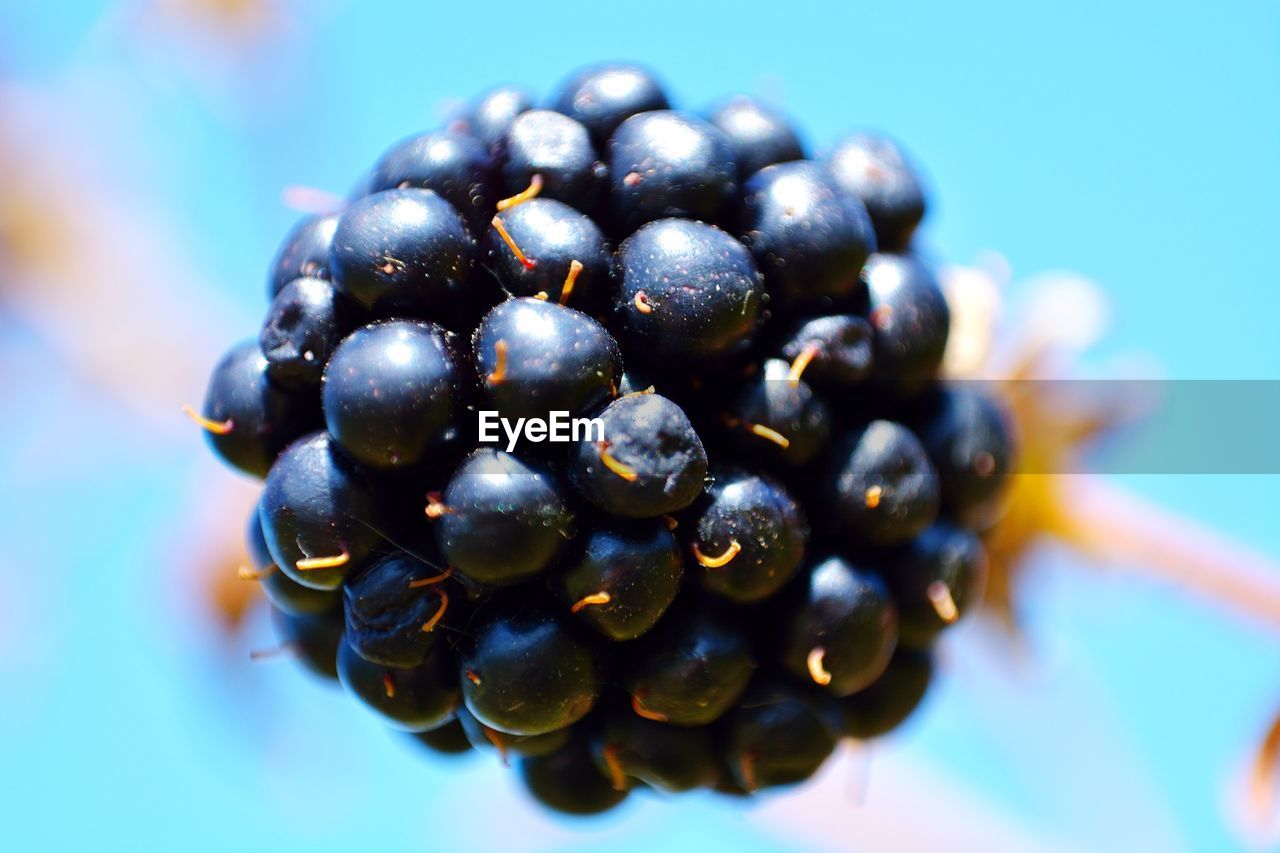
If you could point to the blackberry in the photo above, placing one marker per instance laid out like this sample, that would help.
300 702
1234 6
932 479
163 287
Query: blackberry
747 537
390 394
556 151
652 461
604 96
501 520
534 357
873 168
626 578
885 489
936 578
456 166
842 630
418 699
404 252
889 700
525 671
667 164
563 255
758 134
489 118
691 294
690 670
247 418
304 253
809 237
613 438
910 319
304 324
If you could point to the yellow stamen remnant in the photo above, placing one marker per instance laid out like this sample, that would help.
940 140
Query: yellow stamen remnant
817 671
311 564
575 267
769 435
435 501
589 600
472 677
748 767
806 355
1262 782
642 302
617 778
872 496
671 522
247 573
433 580
716 562
430 624
622 469
529 263
943 604
215 427
642 711
389 685
493 738
499 372
531 191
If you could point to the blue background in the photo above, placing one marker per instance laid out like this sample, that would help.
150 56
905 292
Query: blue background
1137 146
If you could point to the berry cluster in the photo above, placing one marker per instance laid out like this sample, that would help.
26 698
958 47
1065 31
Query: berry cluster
751 549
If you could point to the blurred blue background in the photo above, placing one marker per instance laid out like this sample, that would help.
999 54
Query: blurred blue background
143 149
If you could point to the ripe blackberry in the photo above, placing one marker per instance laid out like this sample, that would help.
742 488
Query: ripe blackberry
668 758
404 252
747 536
489 118
910 319
885 490
884 705
568 781
501 520
689 670
317 516
390 394
248 419
604 96
525 671
758 134
936 579
667 164
394 610
556 151
776 736
764 514
874 169
691 295
534 357
841 630
456 166
651 462
304 253
304 324
809 237
627 576
563 255
417 699
968 439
